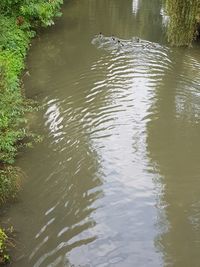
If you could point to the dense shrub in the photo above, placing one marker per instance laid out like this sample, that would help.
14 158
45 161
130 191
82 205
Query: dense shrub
18 20
32 10
13 45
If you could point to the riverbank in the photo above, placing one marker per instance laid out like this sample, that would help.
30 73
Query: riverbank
18 24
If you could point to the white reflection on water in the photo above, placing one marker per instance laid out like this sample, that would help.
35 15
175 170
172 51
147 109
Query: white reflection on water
135 6
54 120
165 17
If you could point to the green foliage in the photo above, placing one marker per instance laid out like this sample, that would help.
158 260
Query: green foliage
4 257
12 37
12 107
10 178
33 10
18 18
41 11
183 21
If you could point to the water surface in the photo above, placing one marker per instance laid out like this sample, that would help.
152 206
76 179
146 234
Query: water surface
116 181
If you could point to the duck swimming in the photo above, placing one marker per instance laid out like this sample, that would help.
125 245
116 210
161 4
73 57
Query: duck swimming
136 39
100 35
120 43
113 38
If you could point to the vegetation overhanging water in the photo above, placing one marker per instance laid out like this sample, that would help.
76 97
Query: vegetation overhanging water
18 22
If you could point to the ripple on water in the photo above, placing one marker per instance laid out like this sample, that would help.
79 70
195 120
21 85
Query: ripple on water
96 200
97 131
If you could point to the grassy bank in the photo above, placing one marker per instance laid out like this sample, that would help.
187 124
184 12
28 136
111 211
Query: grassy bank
18 21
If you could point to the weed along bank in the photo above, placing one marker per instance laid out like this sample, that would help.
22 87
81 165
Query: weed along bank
19 21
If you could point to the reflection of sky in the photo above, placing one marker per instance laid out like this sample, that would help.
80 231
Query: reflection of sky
165 17
135 6
114 114
54 119
107 111
118 134
130 84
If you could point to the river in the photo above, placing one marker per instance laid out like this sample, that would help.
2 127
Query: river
116 181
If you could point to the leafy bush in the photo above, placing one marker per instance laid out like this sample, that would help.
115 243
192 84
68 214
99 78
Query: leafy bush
41 11
18 18
13 46
38 10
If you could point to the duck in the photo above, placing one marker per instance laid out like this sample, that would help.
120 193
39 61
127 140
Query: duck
113 38
100 35
136 39
120 43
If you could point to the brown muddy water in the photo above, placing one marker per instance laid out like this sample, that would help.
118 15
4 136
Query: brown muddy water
116 181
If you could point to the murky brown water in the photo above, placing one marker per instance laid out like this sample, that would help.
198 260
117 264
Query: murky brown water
116 181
